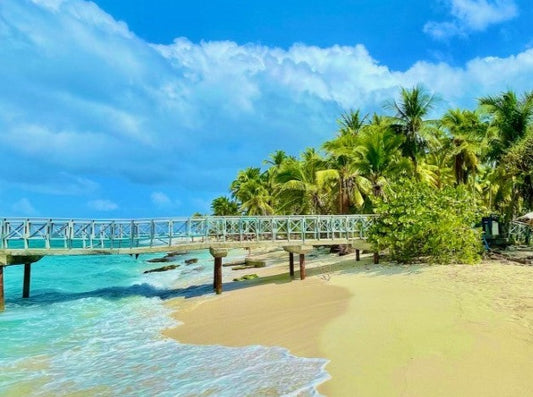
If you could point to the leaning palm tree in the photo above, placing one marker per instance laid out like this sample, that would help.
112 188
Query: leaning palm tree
409 121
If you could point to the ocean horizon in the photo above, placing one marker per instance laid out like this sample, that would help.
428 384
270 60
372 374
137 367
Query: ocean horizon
93 325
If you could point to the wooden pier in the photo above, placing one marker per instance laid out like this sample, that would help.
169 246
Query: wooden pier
25 241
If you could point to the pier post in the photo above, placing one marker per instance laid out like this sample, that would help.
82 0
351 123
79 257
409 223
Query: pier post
357 255
302 266
27 279
2 302
218 254
218 275
376 258
301 250
291 264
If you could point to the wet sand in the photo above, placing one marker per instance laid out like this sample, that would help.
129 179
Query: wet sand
387 330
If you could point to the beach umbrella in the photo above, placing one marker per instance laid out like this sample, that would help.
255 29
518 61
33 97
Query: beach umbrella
527 218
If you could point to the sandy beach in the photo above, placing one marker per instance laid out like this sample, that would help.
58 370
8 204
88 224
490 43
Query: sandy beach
387 330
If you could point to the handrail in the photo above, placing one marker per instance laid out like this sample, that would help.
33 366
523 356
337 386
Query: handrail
67 234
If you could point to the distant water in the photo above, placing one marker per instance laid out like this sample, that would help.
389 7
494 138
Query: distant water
93 327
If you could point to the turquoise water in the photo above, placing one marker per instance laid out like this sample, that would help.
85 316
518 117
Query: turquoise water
93 327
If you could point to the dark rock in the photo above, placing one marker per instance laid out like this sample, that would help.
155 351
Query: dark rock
240 267
238 262
246 277
255 262
191 261
345 249
159 260
162 269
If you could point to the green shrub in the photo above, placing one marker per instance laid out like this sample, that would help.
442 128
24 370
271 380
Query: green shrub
418 222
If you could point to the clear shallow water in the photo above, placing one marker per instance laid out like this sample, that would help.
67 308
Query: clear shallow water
93 326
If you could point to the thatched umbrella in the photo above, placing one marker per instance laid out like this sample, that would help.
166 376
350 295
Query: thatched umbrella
527 218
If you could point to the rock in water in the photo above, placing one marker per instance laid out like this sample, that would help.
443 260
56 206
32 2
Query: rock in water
161 269
191 261
246 277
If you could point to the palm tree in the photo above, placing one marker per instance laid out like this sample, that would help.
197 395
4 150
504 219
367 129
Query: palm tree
378 156
341 171
250 188
350 123
511 117
410 111
257 200
300 191
223 206
465 142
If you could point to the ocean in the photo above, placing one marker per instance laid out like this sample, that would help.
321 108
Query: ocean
92 326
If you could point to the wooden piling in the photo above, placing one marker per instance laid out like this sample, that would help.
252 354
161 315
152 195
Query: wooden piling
218 254
291 264
27 279
376 258
302 266
218 275
2 302
357 255
215 275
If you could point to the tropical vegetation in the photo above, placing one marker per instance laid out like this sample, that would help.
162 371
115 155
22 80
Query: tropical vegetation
486 152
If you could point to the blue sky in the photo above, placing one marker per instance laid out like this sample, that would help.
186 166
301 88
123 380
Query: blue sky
148 108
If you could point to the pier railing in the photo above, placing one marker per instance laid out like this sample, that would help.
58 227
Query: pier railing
520 232
50 234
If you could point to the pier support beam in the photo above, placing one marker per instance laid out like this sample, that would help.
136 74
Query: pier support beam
2 302
291 264
27 279
357 255
376 258
218 254
301 250
302 266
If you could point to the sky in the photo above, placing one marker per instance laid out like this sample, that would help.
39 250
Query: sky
140 109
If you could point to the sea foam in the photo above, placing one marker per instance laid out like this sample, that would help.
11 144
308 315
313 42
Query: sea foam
93 325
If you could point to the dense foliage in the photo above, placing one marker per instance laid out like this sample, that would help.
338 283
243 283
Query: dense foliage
487 151
418 221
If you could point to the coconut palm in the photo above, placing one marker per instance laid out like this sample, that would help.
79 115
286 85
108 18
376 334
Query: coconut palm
511 117
300 191
378 156
350 123
409 121
223 206
350 186
465 142
250 188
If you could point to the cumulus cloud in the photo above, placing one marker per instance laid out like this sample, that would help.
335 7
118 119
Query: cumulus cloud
23 207
472 16
84 100
102 205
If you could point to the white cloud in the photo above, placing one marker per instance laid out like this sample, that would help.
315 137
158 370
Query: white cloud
23 207
472 16
97 103
102 205
160 199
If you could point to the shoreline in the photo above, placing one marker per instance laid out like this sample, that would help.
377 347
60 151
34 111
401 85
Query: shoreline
386 330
